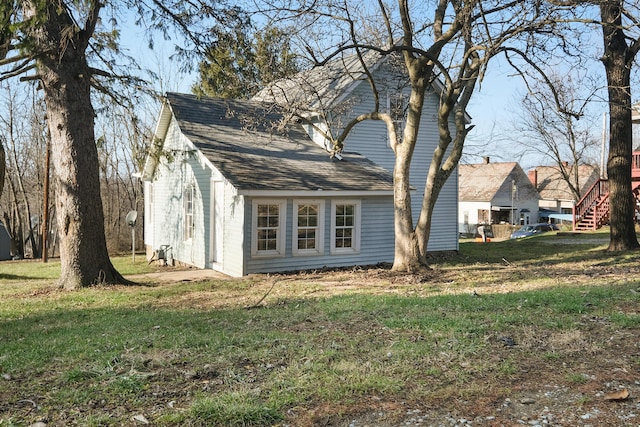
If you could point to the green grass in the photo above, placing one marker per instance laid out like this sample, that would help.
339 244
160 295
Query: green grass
191 354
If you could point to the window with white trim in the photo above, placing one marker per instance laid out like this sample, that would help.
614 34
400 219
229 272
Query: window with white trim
345 226
268 227
188 201
149 208
396 106
308 227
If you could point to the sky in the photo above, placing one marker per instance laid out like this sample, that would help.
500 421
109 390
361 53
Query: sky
493 108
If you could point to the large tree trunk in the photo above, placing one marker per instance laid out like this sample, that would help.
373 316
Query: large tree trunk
617 62
65 77
409 255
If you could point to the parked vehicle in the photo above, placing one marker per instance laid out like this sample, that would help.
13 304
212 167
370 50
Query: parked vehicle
532 230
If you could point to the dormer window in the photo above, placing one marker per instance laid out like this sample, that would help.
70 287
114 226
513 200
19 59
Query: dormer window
397 106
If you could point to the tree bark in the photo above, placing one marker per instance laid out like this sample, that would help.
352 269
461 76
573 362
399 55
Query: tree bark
617 60
409 255
65 77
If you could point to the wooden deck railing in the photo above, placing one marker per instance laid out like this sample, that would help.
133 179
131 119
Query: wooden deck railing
594 205
635 165
592 201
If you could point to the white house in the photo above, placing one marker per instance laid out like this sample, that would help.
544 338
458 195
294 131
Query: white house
495 193
228 187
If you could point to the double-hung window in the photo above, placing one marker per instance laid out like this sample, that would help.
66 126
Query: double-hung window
268 227
345 226
396 106
308 226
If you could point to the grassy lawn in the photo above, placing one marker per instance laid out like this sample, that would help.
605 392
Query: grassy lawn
323 346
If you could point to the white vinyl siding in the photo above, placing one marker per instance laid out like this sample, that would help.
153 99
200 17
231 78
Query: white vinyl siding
370 138
235 250
308 227
268 228
174 175
376 234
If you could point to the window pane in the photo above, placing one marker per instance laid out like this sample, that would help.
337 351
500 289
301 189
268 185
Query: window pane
345 222
348 221
307 226
268 222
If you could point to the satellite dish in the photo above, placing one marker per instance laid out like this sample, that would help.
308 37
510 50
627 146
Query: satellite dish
131 218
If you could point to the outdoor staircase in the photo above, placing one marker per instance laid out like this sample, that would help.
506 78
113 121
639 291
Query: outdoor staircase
592 211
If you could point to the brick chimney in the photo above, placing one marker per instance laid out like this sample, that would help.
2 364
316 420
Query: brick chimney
533 177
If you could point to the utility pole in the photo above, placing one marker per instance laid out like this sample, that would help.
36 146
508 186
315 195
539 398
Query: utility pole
45 207
513 193
603 172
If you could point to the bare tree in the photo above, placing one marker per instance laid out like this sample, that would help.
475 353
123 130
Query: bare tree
448 41
71 51
122 144
23 127
555 125
620 21
619 24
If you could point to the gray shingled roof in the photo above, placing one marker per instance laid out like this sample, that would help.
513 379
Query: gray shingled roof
321 86
243 140
552 186
482 182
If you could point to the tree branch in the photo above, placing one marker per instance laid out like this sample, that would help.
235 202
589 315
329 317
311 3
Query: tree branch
17 71
539 70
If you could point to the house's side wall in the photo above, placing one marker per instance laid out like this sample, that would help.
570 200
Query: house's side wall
179 167
234 232
468 215
370 139
525 197
376 244
551 204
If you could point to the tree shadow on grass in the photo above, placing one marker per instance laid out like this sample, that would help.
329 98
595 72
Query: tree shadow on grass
4 276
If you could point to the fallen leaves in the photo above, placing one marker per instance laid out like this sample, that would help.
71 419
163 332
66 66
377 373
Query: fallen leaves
617 395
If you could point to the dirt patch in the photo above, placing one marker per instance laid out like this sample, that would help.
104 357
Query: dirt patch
174 275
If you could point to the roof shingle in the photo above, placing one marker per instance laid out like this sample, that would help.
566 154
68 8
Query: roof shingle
249 144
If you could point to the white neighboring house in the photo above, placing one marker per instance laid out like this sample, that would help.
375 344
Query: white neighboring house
495 193
226 187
